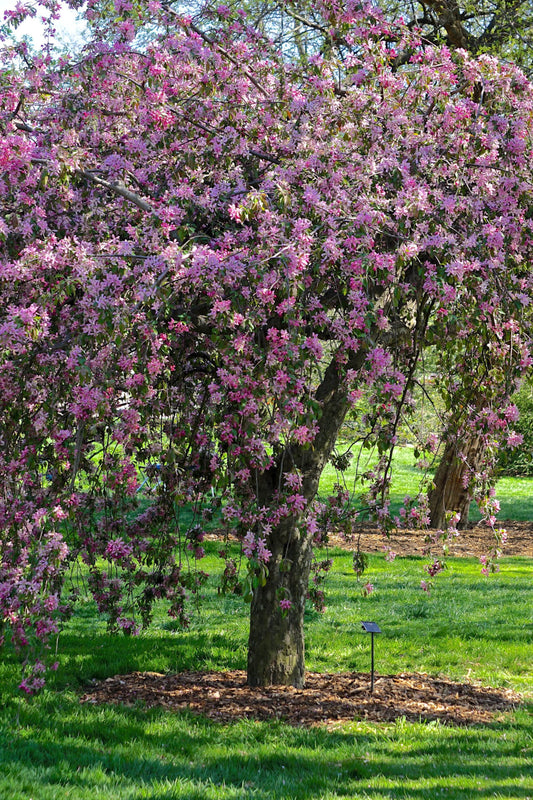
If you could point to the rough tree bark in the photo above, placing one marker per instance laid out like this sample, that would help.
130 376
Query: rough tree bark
276 649
449 493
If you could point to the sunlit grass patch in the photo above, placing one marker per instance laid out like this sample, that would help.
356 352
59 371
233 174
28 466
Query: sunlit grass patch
514 493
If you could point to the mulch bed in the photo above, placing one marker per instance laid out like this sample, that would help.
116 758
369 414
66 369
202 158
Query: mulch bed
474 541
333 699
327 699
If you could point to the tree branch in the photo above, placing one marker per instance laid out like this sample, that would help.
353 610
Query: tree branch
449 17
117 188
307 22
264 156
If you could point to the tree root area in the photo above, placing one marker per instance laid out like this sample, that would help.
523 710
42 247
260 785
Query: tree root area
327 699
333 699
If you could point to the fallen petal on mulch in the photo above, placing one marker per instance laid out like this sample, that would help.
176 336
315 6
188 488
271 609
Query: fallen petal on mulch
327 699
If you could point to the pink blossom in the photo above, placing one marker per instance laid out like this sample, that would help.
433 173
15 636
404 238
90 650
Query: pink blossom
128 626
118 549
235 212
31 685
298 502
314 346
514 439
511 413
249 544
263 553
293 479
51 602
59 513
302 434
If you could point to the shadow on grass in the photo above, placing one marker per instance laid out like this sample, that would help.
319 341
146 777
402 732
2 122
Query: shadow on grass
64 748
109 655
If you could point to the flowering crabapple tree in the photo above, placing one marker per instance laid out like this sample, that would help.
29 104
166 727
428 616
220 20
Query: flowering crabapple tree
208 255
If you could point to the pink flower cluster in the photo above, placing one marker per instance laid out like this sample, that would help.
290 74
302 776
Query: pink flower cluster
255 547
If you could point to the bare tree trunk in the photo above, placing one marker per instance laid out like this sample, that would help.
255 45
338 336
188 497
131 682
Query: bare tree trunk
276 650
450 493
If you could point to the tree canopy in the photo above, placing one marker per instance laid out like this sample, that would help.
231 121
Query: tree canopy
208 253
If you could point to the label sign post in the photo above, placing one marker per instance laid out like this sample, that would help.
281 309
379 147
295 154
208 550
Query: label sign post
371 628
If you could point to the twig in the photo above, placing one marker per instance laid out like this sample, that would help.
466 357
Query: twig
207 39
306 22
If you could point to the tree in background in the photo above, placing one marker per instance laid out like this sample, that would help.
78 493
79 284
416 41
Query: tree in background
475 389
208 254
500 27
467 458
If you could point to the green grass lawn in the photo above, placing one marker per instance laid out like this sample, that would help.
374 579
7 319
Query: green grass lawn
515 494
469 627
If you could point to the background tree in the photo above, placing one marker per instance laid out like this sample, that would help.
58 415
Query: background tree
466 458
208 253
500 27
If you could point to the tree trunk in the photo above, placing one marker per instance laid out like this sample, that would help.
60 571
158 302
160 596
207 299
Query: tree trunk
449 493
276 650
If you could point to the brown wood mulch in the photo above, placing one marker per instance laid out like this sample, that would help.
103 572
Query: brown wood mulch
474 541
333 699
327 699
